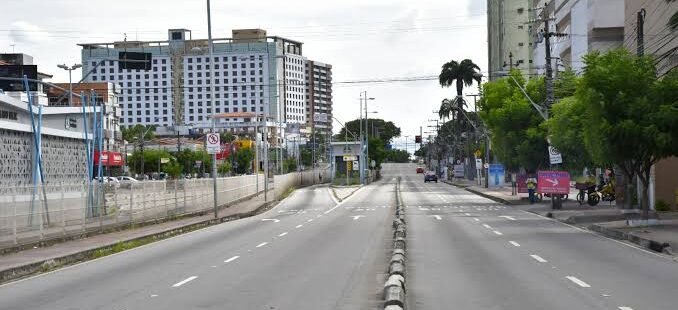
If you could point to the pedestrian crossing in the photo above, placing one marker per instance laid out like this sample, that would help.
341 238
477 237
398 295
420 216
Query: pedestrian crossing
460 208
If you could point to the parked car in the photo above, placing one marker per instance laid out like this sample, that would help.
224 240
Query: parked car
430 176
109 181
420 170
126 182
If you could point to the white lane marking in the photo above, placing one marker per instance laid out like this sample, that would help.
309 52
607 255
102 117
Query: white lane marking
577 281
508 217
280 235
437 217
231 259
498 232
154 295
423 209
267 220
329 190
189 279
516 244
319 216
355 217
476 219
487 226
625 308
299 226
467 214
310 220
538 258
261 244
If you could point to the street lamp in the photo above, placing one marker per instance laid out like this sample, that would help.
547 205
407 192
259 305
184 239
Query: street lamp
70 81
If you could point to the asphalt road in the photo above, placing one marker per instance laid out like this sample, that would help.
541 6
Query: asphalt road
468 252
309 252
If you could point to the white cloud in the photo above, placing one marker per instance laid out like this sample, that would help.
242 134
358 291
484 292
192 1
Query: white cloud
24 32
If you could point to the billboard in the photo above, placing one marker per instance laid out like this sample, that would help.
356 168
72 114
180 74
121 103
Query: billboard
18 71
496 173
458 171
134 60
553 182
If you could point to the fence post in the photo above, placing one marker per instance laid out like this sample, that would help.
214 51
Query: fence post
131 204
176 200
41 213
184 190
63 212
84 210
117 205
14 215
143 202
102 202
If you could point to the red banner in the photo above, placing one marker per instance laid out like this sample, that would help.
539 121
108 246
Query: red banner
553 182
109 158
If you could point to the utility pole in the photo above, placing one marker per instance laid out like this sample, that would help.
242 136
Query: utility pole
211 77
641 32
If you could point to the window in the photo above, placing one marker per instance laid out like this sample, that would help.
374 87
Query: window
164 61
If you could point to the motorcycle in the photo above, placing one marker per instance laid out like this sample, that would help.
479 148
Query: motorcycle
588 193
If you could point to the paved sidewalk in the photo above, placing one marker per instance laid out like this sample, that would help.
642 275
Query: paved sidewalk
18 264
605 218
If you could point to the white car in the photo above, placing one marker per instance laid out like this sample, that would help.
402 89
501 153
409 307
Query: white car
126 182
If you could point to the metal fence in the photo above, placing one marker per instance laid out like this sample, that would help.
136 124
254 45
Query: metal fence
56 211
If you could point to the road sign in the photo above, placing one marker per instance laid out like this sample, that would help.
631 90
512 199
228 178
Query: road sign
417 139
479 163
554 156
477 153
553 182
496 173
213 144
356 165
164 160
350 157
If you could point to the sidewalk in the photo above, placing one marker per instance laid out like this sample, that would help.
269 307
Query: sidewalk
605 218
39 259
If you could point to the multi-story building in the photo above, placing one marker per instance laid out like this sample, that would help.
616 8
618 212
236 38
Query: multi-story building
508 36
106 95
169 83
659 33
319 97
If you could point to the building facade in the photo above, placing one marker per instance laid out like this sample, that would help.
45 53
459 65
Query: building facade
508 36
659 35
319 97
169 83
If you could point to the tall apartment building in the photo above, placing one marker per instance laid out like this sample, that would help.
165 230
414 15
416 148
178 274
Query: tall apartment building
659 38
168 83
319 97
508 36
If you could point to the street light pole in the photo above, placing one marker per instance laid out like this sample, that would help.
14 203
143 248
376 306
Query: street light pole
211 77
70 80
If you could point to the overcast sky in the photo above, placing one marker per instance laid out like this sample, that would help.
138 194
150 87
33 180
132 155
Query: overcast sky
362 39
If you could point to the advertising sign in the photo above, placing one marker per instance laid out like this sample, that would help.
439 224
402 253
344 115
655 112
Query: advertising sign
350 157
553 182
496 173
213 145
458 171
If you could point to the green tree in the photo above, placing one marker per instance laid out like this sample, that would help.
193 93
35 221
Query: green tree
225 167
226 137
386 131
306 156
518 137
132 134
290 164
398 156
173 169
566 132
243 159
630 115
151 160
461 74
377 151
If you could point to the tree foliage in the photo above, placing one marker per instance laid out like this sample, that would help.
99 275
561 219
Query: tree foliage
386 131
518 139
630 115
398 156
132 134
243 160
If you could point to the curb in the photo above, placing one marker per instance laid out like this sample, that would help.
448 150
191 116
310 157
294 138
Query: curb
653 245
394 288
45 265
497 199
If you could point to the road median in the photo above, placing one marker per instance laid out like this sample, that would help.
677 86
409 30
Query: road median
394 288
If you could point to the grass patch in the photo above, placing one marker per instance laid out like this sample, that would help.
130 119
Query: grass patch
122 246
288 192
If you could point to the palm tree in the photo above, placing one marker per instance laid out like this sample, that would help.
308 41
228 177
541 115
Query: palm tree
464 73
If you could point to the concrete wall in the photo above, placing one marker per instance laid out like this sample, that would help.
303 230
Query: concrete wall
666 181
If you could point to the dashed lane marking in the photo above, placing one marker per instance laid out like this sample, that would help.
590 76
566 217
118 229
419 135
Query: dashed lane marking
577 281
283 234
189 279
487 226
261 244
299 226
538 258
516 244
231 259
497 233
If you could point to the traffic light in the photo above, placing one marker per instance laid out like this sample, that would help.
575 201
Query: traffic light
417 139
